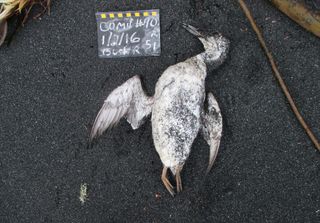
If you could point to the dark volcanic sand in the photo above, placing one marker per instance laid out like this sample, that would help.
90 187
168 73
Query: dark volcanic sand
53 84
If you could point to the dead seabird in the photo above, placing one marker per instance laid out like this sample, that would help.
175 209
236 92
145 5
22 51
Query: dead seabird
177 108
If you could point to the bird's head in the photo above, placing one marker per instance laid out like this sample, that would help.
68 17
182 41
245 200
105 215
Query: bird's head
216 46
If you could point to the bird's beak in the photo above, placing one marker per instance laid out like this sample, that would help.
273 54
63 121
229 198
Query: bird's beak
192 30
3 31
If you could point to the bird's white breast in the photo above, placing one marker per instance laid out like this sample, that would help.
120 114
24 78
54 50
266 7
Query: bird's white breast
176 112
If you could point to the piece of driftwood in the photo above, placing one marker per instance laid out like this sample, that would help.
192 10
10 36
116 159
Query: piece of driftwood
278 76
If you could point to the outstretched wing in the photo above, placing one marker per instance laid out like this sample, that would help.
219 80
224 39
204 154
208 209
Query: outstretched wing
128 100
212 128
3 31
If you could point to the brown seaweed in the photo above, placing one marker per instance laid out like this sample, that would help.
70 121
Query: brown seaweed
301 14
3 31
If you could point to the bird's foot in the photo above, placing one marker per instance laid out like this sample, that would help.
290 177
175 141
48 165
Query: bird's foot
166 182
178 179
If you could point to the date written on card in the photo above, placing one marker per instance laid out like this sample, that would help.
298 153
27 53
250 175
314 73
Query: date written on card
129 33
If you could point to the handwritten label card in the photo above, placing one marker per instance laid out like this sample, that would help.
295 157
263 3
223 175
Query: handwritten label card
129 34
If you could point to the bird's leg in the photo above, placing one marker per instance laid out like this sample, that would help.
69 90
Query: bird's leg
165 180
178 179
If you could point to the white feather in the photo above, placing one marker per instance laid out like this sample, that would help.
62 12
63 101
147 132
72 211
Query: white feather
127 100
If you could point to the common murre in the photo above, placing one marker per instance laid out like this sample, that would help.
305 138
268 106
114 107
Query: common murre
177 108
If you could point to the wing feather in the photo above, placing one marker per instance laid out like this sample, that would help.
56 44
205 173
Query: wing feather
128 100
212 128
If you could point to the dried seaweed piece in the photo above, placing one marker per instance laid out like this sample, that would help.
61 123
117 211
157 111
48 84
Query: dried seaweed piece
21 9
3 31
83 193
10 7
301 14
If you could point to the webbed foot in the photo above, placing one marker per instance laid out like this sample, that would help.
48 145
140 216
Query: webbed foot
178 179
166 182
